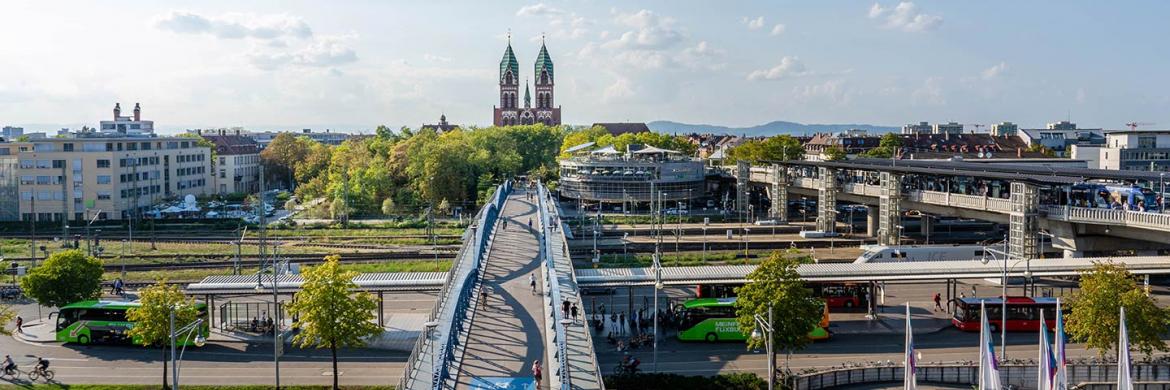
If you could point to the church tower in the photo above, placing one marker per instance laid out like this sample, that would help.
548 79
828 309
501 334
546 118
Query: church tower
509 112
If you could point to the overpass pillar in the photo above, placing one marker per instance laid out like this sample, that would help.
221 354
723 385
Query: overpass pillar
890 209
743 176
871 221
1023 232
779 192
827 201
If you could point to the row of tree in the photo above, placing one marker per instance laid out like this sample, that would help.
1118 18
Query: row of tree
408 169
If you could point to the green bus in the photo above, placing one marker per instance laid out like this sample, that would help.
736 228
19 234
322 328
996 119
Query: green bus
713 319
88 322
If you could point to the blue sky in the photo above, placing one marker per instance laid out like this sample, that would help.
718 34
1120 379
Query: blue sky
355 64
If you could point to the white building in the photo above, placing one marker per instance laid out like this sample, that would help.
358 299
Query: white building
1136 150
920 128
237 162
948 128
1004 129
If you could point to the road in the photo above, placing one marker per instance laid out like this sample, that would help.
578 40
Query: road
219 362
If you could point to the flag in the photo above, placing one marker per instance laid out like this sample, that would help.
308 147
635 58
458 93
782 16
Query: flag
1045 367
909 379
1060 368
1124 381
988 367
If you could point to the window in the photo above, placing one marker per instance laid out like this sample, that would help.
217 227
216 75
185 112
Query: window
27 164
68 147
103 163
44 147
1147 142
103 195
58 164
103 179
28 179
44 164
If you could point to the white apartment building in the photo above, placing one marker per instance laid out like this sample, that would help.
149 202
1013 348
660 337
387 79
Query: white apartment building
237 162
112 173
1136 150
948 128
920 128
1004 129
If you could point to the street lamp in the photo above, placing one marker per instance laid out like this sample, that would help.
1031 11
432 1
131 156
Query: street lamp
766 325
199 341
1003 297
430 326
704 243
657 287
746 231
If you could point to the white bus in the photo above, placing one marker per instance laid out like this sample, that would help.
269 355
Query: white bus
900 253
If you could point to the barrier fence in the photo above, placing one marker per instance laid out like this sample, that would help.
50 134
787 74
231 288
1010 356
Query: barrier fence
452 307
1020 376
554 291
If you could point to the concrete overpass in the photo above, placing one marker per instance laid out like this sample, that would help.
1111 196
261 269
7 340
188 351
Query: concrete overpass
1030 199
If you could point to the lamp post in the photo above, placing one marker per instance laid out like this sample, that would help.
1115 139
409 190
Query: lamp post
276 343
704 243
746 231
1003 287
88 237
657 287
766 325
174 334
430 327
625 236
123 258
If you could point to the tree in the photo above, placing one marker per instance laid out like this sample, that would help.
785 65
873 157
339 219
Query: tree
775 284
777 148
65 277
444 207
833 153
283 154
887 147
339 210
328 312
152 319
388 206
1094 311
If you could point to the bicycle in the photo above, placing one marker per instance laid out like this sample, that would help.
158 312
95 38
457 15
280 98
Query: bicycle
13 373
37 373
624 369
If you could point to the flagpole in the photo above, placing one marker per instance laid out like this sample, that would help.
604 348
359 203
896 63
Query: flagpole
909 379
1060 379
982 345
1043 363
1124 380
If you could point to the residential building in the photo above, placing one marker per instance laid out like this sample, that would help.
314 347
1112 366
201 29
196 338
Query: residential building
114 171
920 128
852 142
442 126
9 132
947 128
509 112
1060 136
263 138
1134 150
237 163
1004 129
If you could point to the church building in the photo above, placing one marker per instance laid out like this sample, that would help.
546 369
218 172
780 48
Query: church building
510 112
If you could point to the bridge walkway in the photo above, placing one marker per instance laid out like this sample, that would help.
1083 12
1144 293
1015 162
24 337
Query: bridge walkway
507 331
582 361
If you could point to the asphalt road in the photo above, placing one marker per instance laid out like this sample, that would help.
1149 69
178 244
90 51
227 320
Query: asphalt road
219 362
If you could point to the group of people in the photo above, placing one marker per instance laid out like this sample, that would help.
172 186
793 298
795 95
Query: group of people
262 326
10 366
118 288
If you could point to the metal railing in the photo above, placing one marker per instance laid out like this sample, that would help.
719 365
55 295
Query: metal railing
1109 217
554 290
1021 375
457 290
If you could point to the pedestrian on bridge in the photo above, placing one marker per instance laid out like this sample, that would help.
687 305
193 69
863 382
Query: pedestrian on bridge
532 282
565 308
938 301
536 372
573 310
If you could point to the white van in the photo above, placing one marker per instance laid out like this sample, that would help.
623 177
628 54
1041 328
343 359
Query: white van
900 253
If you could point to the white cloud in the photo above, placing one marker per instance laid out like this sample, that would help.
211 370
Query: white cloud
702 56
323 51
538 9
235 26
995 71
930 93
788 67
435 58
831 90
905 16
753 23
651 31
620 89
778 29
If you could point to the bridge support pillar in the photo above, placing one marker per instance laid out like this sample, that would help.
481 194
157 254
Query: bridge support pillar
827 201
890 209
1023 228
871 221
779 192
742 178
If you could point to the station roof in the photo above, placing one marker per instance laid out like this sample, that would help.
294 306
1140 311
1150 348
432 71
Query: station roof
246 284
580 147
1005 171
849 272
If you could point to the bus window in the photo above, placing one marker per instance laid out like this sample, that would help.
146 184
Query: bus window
67 317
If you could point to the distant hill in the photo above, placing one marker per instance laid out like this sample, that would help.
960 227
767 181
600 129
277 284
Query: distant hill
767 129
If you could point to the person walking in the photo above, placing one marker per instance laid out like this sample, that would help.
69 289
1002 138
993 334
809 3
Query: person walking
622 322
573 310
938 301
19 325
973 294
537 372
565 308
532 282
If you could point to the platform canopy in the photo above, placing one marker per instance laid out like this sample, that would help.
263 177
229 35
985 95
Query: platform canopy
607 150
580 147
654 150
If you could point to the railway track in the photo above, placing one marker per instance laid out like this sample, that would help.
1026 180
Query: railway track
443 252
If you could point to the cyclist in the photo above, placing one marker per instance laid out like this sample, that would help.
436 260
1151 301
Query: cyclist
9 366
42 366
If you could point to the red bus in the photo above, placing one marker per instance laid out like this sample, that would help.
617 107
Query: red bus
1023 313
846 295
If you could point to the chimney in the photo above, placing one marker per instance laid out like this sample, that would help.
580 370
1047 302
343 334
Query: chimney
237 132
117 110
137 112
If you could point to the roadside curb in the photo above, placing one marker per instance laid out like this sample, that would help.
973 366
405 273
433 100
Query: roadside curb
25 337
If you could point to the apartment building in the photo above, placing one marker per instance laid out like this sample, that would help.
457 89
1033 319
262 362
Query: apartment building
111 173
237 165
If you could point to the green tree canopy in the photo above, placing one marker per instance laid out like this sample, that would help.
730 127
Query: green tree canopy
776 148
152 319
65 277
776 284
329 314
886 148
601 137
1094 311
833 153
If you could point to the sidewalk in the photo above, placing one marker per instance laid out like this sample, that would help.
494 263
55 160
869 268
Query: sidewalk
891 320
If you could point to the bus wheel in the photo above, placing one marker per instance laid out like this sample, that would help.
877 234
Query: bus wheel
83 340
712 337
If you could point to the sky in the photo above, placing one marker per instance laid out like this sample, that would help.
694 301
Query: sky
353 65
